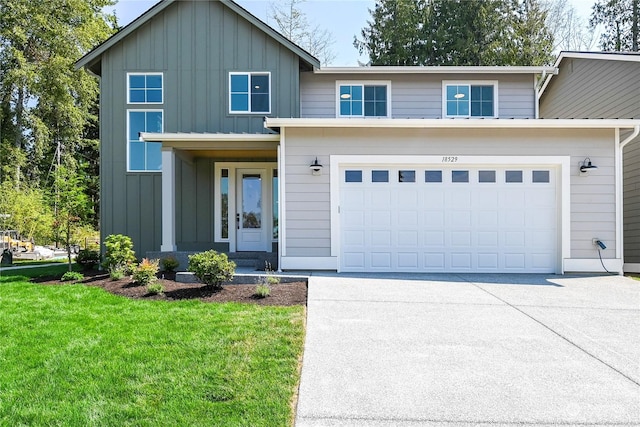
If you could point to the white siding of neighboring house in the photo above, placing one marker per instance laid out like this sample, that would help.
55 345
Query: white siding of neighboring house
416 95
308 214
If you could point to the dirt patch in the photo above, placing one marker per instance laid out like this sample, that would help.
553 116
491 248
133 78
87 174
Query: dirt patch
282 294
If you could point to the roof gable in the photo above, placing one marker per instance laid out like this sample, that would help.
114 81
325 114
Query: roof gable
92 59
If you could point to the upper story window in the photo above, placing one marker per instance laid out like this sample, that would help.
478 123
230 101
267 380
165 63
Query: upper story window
470 99
250 93
367 99
143 156
144 88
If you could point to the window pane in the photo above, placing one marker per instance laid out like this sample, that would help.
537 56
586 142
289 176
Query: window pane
486 176
540 176
356 93
154 81
154 121
432 176
136 95
407 176
379 176
239 83
136 124
369 93
259 103
381 109
476 109
487 109
463 108
154 156
459 176
452 108
353 176
356 108
224 204
240 102
154 95
275 203
136 156
381 93
345 107
259 84
513 176
137 82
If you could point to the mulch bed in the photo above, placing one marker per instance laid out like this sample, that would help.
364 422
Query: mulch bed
282 294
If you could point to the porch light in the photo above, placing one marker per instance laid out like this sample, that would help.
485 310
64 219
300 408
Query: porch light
316 168
585 165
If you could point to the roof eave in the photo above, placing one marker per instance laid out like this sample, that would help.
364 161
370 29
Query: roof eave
438 70
276 123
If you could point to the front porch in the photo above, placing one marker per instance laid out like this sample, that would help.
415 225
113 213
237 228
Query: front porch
219 191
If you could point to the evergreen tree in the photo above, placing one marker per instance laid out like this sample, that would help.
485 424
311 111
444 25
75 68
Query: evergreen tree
457 32
620 20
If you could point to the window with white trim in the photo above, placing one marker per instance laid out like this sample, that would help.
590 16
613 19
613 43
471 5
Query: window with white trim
250 93
144 88
470 99
143 156
368 99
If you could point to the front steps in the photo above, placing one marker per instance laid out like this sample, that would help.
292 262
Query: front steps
255 260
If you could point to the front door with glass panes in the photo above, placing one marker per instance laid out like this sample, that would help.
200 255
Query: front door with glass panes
252 210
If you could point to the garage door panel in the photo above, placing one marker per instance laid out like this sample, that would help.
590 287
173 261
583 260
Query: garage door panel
447 226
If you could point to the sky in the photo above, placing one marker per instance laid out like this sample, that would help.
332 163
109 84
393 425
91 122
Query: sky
343 18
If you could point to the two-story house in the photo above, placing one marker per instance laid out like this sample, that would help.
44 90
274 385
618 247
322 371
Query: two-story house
217 132
603 85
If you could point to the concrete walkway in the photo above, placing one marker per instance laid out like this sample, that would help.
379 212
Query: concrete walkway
471 350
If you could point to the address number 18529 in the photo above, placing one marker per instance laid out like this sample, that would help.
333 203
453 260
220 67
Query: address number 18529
449 159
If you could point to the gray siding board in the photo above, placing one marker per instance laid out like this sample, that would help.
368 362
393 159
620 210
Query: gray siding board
416 95
195 45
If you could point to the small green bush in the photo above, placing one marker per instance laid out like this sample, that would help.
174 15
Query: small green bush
119 252
116 272
262 291
145 273
72 276
88 259
155 288
169 263
212 268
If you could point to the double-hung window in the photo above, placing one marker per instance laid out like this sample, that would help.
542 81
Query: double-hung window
250 92
368 99
470 99
143 156
144 88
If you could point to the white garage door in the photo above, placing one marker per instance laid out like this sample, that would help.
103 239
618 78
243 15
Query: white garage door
459 219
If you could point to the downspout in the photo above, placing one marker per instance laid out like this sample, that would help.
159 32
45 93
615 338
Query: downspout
619 192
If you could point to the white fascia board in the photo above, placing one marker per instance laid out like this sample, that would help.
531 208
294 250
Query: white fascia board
453 123
187 137
436 70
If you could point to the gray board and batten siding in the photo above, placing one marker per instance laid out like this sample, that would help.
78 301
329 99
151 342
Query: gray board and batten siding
195 45
417 96
603 89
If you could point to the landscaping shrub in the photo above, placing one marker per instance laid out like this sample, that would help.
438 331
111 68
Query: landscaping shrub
262 291
212 268
88 259
169 264
116 272
72 276
155 288
145 273
119 252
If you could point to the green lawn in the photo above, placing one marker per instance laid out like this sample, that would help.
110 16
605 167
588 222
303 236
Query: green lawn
74 355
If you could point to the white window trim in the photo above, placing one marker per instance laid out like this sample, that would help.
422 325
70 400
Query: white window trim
363 83
250 73
127 137
144 74
470 83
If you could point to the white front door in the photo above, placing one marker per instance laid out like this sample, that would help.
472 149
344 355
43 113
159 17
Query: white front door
251 217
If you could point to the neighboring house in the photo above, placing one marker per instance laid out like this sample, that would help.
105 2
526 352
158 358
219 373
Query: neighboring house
603 85
219 133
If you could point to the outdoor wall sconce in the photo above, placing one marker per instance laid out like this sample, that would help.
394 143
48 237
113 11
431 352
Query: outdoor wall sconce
586 165
316 168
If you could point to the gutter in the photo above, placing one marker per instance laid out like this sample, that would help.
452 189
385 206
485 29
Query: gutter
636 131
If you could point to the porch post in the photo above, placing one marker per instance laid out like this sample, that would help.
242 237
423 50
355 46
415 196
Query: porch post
168 200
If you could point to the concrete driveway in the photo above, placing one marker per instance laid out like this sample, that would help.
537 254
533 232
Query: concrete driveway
471 350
